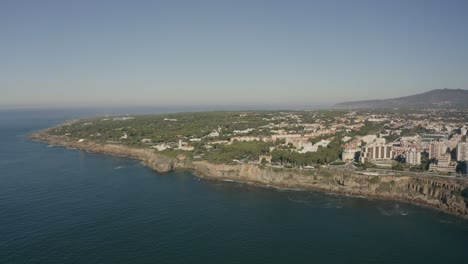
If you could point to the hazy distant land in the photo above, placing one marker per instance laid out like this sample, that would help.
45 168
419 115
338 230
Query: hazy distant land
439 99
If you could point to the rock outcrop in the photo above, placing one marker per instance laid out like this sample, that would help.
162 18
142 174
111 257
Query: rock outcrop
153 160
440 193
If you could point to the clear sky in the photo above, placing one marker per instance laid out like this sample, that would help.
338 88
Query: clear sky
88 53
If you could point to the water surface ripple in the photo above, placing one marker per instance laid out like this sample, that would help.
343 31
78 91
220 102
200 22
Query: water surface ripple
68 206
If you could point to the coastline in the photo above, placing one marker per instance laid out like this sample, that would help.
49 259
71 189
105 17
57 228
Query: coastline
430 192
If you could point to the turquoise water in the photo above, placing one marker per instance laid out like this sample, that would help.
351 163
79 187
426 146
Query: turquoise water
67 206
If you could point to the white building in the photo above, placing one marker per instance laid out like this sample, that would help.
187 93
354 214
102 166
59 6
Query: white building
437 149
214 133
346 139
369 138
309 147
443 164
161 146
245 131
413 157
463 131
305 147
416 138
349 154
184 146
376 152
462 151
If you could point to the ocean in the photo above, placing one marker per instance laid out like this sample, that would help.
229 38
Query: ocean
60 205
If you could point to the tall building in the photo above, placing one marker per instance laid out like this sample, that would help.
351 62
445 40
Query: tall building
437 149
376 152
444 164
413 157
463 131
462 151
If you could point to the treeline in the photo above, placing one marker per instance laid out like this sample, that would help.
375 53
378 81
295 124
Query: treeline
323 156
167 127
242 151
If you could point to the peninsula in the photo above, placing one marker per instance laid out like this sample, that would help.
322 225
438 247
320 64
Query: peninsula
418 155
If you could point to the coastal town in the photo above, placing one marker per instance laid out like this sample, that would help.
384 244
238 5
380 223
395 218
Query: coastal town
424 141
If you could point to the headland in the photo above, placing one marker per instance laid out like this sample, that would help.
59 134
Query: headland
257 161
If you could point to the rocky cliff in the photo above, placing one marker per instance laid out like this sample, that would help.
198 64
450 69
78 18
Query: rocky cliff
153 160
440 193
436 192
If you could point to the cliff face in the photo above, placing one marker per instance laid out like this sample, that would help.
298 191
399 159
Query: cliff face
441 193
436 192
153 160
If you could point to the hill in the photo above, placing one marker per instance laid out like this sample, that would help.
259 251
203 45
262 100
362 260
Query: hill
439 98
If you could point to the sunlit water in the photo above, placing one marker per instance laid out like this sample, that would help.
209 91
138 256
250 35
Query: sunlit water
68 206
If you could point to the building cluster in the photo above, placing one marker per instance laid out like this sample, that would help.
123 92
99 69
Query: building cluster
429 139
441 144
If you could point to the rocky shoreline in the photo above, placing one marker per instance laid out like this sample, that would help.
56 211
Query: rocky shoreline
434 192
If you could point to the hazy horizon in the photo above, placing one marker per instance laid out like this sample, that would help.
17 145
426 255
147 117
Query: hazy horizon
215 54
154 109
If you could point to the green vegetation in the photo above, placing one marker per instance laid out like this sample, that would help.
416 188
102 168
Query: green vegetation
417 130
367 165
370 128
244 136
205 132
241 151
165 127
425 161
399 166
323 155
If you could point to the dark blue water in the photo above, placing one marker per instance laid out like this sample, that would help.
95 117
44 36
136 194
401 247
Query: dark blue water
68 206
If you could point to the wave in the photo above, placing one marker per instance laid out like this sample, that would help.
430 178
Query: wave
299 201
332 205
318 203
396 211
445 221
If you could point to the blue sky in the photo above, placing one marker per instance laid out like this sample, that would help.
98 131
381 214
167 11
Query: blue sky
90 53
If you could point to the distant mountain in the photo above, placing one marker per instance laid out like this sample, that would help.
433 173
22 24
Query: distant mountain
439 98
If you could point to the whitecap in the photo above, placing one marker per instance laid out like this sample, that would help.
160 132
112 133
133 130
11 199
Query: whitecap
393 211
298 201
445 221
333 205
384 212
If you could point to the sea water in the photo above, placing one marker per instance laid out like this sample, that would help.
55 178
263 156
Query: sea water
68 206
